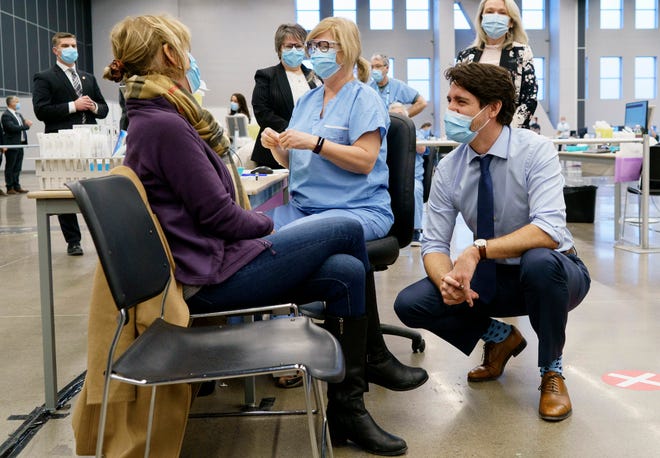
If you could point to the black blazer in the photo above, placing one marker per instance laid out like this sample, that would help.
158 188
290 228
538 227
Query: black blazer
51 93
13 130
272 102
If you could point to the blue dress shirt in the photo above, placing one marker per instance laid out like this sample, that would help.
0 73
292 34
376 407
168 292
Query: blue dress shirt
527 186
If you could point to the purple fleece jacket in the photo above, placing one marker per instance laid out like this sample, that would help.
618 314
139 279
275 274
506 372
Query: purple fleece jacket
192 194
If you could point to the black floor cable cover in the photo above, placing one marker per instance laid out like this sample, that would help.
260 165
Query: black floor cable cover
37 418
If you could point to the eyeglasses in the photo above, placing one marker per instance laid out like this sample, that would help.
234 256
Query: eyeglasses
290 46
321 45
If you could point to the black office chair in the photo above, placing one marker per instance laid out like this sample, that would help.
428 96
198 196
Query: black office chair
136 267
384 252
654 190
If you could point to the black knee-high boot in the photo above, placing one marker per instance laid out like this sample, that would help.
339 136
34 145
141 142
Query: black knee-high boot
382 366
348 418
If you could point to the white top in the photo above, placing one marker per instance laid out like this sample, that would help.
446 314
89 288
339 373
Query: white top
298 83
491 55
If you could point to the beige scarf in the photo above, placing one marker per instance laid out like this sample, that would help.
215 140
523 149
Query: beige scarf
151 86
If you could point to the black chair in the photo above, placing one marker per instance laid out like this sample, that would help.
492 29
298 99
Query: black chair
654 190
136 267
385 251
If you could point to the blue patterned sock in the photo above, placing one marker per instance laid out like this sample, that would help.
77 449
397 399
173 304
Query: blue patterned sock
555 366
496 332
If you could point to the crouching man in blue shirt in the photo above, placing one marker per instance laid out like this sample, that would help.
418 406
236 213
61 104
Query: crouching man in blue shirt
507 185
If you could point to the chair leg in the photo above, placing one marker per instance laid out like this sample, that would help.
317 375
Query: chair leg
326 442
623 217
152 404
307 388
639 219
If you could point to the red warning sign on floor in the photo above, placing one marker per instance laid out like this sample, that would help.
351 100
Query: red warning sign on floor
633 380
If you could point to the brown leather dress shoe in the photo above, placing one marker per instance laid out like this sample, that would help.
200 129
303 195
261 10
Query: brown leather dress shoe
22 191
496 356
554 405
11 191
2 193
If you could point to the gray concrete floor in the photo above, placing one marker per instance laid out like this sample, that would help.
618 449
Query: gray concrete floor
616 328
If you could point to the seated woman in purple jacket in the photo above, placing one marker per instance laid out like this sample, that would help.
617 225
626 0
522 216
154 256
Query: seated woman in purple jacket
227 257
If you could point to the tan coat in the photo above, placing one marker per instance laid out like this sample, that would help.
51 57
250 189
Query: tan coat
126 426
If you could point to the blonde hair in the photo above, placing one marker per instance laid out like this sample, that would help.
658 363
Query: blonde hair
516 33
346 33
137 45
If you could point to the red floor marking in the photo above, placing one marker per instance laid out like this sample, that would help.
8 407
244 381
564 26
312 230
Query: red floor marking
633 380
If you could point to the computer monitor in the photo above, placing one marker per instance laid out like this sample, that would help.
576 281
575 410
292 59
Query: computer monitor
637 115
238 123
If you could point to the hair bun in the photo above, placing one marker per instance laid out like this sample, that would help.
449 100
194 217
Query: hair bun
116 70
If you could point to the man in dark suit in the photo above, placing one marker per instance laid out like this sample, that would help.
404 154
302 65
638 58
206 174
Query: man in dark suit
2 152
63 96
15 133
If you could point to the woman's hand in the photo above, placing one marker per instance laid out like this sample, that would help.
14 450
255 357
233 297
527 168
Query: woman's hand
294 139
270 139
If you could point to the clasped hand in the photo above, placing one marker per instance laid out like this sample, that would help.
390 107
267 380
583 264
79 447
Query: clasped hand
455 284
289 139
84 103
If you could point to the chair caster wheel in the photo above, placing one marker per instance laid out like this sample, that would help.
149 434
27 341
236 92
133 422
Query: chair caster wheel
418 345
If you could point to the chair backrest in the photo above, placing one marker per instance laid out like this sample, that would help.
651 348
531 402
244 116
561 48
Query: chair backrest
401 163
127 242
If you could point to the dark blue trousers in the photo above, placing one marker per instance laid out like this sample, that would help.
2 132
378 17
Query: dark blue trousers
546 286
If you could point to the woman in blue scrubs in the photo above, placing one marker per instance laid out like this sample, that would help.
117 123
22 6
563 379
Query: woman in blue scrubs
334 146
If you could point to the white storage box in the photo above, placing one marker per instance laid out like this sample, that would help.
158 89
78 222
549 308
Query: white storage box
54 172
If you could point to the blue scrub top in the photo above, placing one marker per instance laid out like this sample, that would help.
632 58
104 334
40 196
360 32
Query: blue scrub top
395 91
316 184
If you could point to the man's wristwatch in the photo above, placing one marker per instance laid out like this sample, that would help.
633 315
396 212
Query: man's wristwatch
481 245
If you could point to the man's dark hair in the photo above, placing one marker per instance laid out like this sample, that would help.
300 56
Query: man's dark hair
59 35
488 83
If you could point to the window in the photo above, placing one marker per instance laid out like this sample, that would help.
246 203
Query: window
539 69
417 14
645 78
460 21
646 14
419 76
345 9
380 15
610 78
307 13
533 14
611 14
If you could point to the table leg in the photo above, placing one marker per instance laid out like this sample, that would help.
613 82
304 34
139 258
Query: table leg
617 210
47 313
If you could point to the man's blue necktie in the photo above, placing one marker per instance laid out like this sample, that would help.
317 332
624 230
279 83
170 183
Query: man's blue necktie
483 281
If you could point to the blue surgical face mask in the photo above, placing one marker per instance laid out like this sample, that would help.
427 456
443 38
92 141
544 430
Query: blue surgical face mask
495 25
377 75
457 126
193 75
233 106
293 57
325 63
18 106
69 55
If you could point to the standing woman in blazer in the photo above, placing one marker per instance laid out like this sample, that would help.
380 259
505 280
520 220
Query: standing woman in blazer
278 88
501 40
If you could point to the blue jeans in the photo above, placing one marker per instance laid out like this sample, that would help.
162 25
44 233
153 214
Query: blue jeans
546 286
419 190
374 224
312 261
